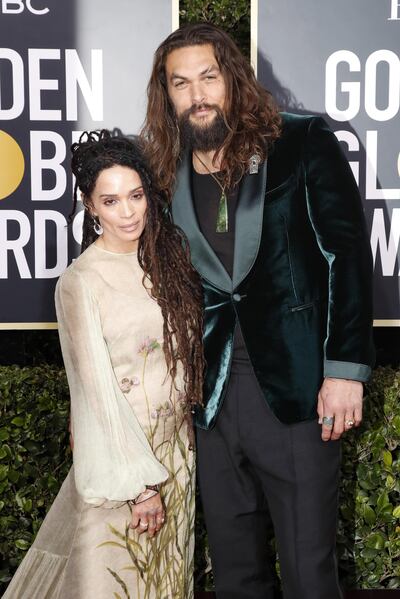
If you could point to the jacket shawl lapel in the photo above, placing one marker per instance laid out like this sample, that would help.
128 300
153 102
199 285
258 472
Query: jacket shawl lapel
249 223
249 217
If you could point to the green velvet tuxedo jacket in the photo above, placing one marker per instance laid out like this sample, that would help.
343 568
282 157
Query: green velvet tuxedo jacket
302 278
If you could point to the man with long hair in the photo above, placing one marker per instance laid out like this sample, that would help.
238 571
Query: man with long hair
276 230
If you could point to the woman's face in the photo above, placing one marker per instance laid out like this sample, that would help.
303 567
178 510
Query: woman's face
119 202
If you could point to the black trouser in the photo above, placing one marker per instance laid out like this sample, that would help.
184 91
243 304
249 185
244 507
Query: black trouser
252 468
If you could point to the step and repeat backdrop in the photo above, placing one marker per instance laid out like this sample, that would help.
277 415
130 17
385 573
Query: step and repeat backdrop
341 60
65 67
70 66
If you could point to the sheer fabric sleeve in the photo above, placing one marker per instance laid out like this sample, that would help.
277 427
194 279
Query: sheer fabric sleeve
113 460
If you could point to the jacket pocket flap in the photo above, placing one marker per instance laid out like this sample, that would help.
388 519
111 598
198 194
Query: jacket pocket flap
279 191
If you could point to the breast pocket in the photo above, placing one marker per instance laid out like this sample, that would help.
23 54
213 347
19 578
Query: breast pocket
281 191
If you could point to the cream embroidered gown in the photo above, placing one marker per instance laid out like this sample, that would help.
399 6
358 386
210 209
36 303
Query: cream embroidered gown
128 430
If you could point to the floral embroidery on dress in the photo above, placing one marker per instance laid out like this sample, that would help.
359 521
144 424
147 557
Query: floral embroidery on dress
148 346
163 411
126 383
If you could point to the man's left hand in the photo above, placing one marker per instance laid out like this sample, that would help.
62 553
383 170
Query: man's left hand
340 399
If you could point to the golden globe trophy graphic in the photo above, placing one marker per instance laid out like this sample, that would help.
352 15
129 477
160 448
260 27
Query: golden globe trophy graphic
12 165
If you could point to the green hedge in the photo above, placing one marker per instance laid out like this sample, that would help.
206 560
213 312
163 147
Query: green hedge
369 525
34 454
233 17
35 458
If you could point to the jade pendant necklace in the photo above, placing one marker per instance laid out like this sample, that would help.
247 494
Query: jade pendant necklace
222 214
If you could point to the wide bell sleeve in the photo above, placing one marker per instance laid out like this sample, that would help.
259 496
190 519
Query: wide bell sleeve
113 460
336 214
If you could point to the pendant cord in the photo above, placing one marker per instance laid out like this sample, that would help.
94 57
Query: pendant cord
222 214
222 187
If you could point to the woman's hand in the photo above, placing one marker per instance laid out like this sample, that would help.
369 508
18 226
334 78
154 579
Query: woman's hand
148 516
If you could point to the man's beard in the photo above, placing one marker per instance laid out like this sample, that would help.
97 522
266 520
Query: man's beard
205 137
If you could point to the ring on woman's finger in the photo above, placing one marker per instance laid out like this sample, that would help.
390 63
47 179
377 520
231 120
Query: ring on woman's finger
144 525
349 423
328 421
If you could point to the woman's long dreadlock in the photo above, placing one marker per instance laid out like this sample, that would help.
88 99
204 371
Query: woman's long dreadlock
163 254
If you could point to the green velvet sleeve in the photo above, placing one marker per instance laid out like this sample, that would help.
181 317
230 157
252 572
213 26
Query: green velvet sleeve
335 211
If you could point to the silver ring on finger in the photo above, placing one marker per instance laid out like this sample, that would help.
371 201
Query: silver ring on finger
349 423
328 421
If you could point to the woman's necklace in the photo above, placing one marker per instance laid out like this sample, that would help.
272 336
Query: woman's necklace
222 215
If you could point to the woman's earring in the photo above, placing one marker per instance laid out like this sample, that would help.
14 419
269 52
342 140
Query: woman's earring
98 229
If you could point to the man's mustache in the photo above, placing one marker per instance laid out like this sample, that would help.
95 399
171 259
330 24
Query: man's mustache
195 107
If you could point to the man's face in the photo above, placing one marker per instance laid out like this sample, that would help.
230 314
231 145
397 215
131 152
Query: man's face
196 88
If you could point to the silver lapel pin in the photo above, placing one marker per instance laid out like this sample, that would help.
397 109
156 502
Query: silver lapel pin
254 161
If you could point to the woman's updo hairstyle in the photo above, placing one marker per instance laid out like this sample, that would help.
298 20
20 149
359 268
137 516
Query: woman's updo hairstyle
96 151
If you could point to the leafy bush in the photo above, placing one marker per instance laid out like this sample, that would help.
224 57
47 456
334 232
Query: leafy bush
233 17
34 454
369 526
35 458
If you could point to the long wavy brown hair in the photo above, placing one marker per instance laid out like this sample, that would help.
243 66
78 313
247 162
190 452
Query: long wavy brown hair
251 115
163 254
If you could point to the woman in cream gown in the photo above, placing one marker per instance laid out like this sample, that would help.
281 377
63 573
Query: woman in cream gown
128 409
